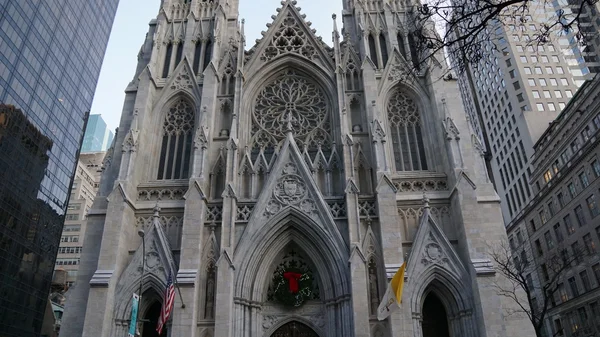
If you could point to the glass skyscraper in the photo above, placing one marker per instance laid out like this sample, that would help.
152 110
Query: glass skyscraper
50 57
97 136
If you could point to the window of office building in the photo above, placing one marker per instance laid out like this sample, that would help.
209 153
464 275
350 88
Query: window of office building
539 106
573 286
583 178
569 224
536 94
579 215
543 82
549 241
558 233
590 246
551 107
593 206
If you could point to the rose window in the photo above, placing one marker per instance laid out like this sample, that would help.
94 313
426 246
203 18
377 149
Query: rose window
295 103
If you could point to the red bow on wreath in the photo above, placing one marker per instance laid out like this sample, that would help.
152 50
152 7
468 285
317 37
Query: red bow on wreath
293 279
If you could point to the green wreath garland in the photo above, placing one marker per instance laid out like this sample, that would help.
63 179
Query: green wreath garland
281 287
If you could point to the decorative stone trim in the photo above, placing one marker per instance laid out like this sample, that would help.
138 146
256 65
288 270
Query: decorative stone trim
214 213
483 267
244 212
101 278
421 183
187 276
367 208
155 194
338 209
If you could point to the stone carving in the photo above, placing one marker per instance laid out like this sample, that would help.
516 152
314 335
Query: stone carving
402 110
289 38
290 190
154 194
420 185
291 102
183 81
338 209
214 213
244 212
130 143
201 140
172 226
433 252
269 321
367 208
179 119
451 129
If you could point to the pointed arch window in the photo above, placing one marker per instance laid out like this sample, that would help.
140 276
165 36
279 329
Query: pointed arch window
407 138
176 146
401 45
207 54
167 63
414 54
384 50
179 54
197 56
373 50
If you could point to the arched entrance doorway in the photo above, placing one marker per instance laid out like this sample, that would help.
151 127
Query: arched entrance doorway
294 329
435 319
150 321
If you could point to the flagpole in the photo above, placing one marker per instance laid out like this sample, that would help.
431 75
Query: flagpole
179 291
142 234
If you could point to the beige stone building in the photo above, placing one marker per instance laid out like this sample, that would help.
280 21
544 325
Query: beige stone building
283 185
84 189
561 222
513 94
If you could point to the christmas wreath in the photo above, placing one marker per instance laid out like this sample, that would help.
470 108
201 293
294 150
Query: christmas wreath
293 284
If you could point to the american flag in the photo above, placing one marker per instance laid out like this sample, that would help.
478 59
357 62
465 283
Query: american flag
167 308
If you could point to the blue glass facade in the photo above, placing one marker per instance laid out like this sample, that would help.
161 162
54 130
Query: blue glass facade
97 137
51 52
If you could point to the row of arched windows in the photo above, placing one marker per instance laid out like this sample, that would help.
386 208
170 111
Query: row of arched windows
174 54
378 50
403 114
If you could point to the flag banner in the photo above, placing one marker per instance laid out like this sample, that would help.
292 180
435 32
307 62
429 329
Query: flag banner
134 313
393 295
167 307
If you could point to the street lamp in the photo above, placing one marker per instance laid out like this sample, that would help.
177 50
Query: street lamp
142 234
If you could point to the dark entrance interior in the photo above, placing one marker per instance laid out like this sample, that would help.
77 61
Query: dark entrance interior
435 320
151 320
294 329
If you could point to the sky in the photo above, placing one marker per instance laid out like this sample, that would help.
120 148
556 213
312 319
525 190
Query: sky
131 25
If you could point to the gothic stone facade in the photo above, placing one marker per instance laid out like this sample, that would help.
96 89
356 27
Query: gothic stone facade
292 152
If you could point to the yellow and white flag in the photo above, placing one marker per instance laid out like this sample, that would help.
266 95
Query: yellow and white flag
393 295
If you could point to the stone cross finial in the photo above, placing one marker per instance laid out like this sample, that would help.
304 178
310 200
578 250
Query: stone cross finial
156 210
425 200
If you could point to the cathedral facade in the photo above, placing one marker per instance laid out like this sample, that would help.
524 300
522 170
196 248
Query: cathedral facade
282 186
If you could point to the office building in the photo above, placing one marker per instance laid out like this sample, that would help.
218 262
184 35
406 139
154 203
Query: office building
282 186
50 58
514 93
562 220
83 191
97 137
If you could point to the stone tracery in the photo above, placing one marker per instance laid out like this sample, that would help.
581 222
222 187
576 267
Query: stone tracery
291 100
405 125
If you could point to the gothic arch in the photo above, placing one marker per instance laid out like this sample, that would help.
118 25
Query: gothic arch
290 225
290 319
326 250
407 124
151 284
454 294
177 125
275 68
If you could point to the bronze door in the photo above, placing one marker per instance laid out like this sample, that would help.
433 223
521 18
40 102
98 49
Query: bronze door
294 329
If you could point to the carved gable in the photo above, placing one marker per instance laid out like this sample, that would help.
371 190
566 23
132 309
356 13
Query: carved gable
432 250
291 185
291 34
159 262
